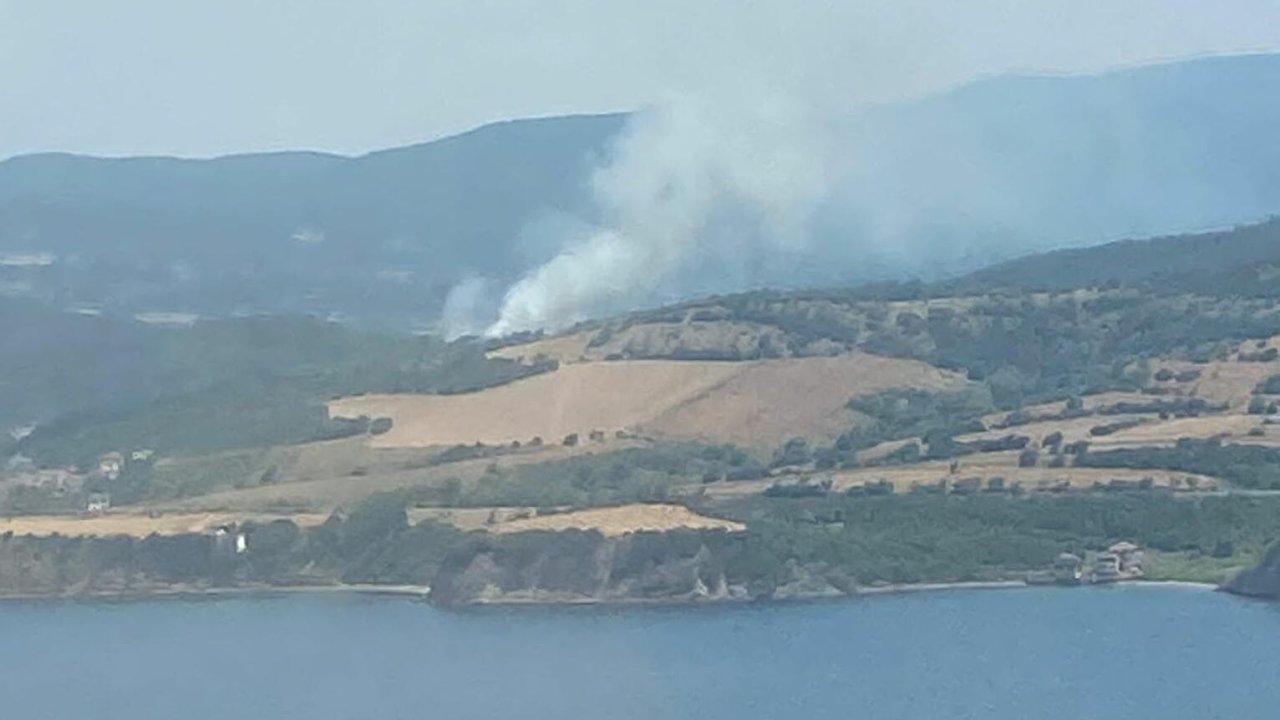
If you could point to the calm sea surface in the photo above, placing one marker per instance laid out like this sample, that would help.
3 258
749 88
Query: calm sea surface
1120 652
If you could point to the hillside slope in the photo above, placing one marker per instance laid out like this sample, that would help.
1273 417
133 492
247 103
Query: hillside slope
1243 260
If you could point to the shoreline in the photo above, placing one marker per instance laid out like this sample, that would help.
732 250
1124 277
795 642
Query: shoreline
184 592
422 592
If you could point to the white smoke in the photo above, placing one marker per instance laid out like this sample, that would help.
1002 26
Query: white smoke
468 308
690 184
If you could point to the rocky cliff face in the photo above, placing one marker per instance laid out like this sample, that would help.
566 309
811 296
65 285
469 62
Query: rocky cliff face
587 567
1261 580
573 566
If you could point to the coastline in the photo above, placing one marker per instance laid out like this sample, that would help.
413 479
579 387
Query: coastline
188 592
904 588
422 592
1187 584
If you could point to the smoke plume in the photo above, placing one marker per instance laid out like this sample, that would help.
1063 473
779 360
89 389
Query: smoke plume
705 195
692 188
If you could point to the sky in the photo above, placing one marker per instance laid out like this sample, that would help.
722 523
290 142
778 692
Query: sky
205 78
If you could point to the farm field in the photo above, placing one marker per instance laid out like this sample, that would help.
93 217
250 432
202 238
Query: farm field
750 403
622 520
141 525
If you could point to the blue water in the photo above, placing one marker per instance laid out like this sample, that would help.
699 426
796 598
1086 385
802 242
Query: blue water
1120 652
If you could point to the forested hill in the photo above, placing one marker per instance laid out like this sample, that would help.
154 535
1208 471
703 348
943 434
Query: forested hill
383 235
1242 260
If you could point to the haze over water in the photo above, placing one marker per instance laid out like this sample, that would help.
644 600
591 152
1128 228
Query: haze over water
1119 652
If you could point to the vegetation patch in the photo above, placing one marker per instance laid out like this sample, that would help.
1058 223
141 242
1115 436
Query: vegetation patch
1245 466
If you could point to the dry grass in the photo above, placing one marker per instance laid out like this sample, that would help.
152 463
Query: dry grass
574 399
609 521
751 403
882 450
564 348
622 520
1228 381
138 525
768 402
1232 382
1170 431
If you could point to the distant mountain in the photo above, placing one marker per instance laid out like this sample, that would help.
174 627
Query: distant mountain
940 186
381 235
1011 165
1241 261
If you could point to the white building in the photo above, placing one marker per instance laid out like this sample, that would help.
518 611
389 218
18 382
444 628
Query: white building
98 503
109 465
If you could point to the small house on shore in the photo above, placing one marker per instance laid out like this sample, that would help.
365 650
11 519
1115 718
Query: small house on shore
1121 561
1129 556
1106 568
1068 569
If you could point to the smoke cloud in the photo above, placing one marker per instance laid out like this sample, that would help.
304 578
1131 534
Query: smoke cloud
692 188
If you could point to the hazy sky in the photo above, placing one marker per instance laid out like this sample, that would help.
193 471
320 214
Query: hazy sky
219 76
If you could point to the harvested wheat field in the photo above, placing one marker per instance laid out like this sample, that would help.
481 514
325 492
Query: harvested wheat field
1230 382
1170 431
752 403
562 348
771 401
622 520
139 526
579 398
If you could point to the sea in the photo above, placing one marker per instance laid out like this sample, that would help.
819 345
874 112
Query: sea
1124 651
